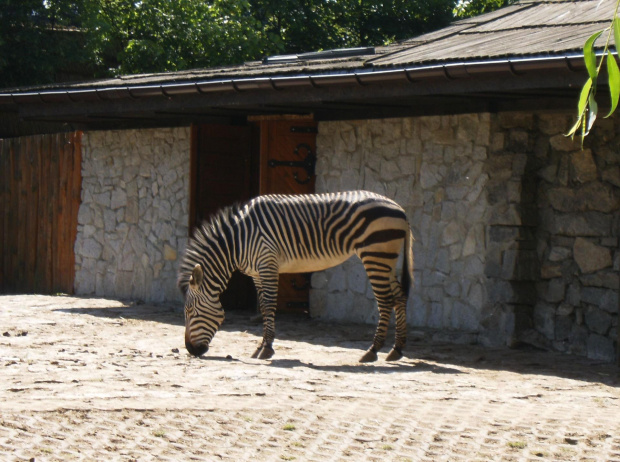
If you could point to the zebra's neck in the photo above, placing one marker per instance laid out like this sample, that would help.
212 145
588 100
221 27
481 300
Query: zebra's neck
221 257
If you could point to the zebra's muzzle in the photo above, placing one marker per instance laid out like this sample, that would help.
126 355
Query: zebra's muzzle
195 350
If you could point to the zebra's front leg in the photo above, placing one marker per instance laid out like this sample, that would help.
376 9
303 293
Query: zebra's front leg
258 350
268 294
265 349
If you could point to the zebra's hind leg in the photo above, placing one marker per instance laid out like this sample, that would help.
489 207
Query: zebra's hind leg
380 261
379 340
400 308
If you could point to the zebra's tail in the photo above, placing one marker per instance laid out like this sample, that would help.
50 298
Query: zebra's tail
407 276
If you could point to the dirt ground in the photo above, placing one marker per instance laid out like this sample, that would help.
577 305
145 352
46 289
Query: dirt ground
94 379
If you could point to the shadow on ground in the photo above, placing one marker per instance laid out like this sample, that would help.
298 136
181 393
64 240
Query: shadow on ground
166 314
427 355
378 367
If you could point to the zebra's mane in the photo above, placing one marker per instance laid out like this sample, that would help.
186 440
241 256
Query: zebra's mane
202 237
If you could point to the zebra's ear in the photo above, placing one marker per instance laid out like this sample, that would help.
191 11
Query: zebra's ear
196 278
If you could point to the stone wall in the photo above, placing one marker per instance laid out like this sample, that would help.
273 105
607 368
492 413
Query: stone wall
435 168
552 256
578 232
132 223
511 266
517 228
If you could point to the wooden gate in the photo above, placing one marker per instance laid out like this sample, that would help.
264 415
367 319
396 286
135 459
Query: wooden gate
288 155
40 187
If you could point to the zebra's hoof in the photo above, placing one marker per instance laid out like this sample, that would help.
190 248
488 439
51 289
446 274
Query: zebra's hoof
266 353
394 355
369 357
257 352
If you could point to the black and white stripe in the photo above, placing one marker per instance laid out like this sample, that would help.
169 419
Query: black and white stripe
296 234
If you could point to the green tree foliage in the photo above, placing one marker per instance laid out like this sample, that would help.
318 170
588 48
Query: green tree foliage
296 26
127 36
162 35
43 41
469 8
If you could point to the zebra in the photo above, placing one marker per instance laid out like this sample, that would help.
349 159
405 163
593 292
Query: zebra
275 234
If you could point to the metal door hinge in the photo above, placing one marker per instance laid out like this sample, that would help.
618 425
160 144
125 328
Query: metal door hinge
304 130
298 305
308 163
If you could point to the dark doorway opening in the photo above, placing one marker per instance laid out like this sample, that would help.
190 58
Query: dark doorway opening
225 171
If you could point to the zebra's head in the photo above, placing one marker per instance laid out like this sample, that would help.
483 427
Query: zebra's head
203 314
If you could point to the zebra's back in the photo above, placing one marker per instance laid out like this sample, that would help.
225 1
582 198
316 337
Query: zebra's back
317 231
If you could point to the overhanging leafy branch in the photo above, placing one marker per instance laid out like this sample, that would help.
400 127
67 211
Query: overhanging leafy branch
587 107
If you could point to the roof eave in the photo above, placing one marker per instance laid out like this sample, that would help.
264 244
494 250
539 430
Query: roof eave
518 66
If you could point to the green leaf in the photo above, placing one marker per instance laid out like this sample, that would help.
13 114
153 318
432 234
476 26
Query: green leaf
589 56
614 82
615 25
584 97
575 127
581 107
592 112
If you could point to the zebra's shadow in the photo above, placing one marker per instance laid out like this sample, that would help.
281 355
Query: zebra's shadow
364 368
406 365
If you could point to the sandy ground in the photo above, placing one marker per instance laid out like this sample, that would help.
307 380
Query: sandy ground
93 379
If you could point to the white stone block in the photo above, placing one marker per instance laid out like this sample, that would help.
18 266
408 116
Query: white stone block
452 233
357 278
319 280
337 279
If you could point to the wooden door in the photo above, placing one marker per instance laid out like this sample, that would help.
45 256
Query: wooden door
288 148
225 171
40 189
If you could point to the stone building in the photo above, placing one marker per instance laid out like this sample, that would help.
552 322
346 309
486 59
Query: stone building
516 226
133 221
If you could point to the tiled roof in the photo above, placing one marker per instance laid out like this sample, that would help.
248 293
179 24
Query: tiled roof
528 28
521 57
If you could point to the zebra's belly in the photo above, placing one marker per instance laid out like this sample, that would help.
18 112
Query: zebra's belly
310 265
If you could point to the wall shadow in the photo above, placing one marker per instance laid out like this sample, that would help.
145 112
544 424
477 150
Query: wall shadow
422 354
166 314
